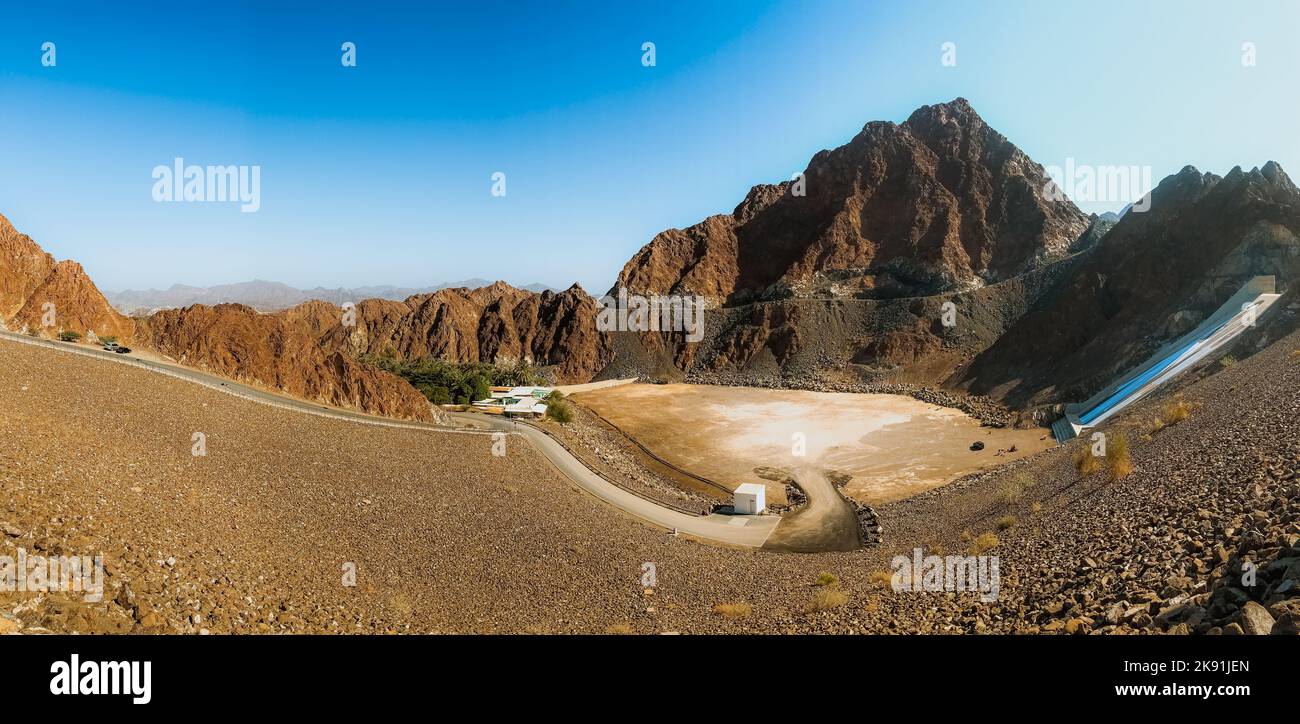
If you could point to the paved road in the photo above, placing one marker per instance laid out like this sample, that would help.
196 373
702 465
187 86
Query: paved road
826 523
740 530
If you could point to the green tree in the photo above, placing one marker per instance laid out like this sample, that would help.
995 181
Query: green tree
68 335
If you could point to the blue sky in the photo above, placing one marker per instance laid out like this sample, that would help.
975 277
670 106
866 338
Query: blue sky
381 173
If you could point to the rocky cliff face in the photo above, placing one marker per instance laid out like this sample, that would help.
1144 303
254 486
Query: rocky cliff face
30 280
939 203
1153 277
280 351
497 323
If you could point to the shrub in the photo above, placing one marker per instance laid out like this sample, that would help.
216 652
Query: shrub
561 411
883 578
1085 462
464 382
1014 488
985 542
1175 411
1119 461
826 579
1006 522
1036 507
110 339
1227 362
437 394
68 335
733 610
827 598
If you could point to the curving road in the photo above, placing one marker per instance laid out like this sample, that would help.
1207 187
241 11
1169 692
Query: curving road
739 530
742 530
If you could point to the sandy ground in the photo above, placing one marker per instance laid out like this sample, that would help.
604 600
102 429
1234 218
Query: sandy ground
894 446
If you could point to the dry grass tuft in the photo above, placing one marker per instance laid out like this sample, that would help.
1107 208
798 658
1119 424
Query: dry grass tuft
884 578
1036 507
985 542
1085 462
733 610
1006 522
1119 461
826 579
827 598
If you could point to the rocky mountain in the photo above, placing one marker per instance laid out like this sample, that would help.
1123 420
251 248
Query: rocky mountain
266 296
1153 277
493 323
939 203
35 289
282 351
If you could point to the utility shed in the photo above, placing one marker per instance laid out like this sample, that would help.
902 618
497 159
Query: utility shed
750 499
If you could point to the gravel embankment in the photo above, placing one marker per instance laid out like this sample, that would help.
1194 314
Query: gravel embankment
96 457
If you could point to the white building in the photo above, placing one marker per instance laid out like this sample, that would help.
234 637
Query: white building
750 499
510 401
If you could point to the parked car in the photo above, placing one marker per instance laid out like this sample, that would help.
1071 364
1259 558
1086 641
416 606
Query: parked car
121 350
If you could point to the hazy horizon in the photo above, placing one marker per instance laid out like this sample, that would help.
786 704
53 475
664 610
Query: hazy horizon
381 174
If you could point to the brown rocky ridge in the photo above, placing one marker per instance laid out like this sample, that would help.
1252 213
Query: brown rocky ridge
30 279
941 202
1151 278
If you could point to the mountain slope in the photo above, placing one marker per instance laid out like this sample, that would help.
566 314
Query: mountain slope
34 290
939 203
1154 276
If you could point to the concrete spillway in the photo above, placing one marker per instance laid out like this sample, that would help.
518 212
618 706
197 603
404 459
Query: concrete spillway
1238 314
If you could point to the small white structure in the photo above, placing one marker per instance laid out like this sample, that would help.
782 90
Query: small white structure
750 499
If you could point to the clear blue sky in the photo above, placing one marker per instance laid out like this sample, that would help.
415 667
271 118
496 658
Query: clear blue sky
381 173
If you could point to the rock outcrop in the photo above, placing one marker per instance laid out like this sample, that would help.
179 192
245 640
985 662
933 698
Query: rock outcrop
44 297
939 203
1154 276
282 352
496 323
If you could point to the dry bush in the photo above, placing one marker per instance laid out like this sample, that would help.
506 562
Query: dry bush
1015 487
1036 507
1175 411
986 542
733 610
1006 522
1085 462
885 578
826 579
967 536
827 598
1119 461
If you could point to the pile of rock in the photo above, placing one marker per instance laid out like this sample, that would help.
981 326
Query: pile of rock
869 522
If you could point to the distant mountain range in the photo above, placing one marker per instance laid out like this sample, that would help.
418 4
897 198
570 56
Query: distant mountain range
267 296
